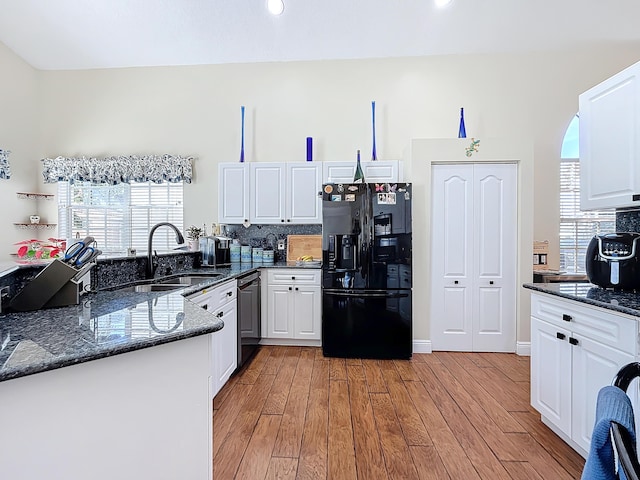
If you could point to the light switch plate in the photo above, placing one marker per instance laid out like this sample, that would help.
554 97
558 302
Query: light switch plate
280 244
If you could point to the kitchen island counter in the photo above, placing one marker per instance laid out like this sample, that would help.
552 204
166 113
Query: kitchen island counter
108 322
618 301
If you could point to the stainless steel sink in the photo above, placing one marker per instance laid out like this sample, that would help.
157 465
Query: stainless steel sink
151 287
172 283
191 279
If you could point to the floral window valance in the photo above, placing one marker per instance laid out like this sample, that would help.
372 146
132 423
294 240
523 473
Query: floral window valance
5 170
121 169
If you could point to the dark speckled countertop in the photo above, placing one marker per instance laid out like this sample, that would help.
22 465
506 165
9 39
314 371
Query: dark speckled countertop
619 301
106 323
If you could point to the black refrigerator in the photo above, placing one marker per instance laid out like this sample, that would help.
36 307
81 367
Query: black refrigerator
366 270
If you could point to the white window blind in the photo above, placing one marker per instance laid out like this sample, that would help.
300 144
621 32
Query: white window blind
120 216
577 227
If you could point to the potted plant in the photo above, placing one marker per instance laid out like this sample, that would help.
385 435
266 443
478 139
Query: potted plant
193 235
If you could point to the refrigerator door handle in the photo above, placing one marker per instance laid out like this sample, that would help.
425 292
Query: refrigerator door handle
352 293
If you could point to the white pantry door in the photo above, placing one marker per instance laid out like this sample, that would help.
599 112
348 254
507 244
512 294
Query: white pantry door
473 257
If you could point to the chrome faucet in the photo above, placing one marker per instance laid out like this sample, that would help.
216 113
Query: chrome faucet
152 260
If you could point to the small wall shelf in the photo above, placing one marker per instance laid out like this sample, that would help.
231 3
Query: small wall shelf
39 196
36 226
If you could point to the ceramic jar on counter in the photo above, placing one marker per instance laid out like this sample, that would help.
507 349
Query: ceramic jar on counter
235 253
267 256
245 254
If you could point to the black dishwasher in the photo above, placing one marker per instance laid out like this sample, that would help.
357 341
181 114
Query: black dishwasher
248 316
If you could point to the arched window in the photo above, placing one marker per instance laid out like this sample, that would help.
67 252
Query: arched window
576 227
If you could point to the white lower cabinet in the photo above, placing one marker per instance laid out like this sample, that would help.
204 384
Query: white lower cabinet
575 351
221 301
292 308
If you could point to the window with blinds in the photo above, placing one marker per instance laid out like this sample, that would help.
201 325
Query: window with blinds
120 216
576 227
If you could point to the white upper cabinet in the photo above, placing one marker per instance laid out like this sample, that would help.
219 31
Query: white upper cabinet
303 203
378 171
233 193
610 142
270 193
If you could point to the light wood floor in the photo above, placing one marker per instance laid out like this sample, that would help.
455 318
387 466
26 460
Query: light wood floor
293 414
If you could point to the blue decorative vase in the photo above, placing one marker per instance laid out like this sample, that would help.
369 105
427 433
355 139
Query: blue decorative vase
242 139
374 155
462 132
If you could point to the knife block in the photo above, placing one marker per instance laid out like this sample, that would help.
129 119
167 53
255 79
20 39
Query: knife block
54 286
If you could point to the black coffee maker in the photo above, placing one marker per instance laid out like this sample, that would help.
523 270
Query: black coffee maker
215 251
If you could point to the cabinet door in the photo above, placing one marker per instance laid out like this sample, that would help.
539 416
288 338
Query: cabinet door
551 373
268 193
338 172
279 311
610 142
307 312
303 204
452 267
227 345
594 366
494 256
473 252
233 193
381 171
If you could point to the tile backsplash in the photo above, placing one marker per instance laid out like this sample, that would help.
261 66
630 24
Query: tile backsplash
628 221
268 235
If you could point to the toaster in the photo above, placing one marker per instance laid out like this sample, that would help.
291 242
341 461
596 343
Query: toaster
613 260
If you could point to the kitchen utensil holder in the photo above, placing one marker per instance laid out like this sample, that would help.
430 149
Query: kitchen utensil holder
54 286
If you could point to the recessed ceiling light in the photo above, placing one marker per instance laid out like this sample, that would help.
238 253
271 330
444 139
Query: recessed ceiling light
275 7
442 3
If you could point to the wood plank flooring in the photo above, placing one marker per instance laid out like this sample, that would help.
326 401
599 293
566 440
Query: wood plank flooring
293 414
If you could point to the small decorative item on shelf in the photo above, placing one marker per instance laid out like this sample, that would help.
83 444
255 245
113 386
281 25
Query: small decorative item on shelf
193 235
309 149
242 134
374 155
359 176
34 250
35 219
462 132
472 148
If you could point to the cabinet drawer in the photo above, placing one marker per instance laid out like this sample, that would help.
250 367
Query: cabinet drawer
298 276
221 294
615 330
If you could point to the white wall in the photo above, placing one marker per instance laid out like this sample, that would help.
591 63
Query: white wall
18 134
196 111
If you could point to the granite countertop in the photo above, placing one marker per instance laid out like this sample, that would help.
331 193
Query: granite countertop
619 301
109 322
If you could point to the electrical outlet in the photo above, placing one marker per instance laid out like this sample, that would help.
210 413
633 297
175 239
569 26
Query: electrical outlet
280 244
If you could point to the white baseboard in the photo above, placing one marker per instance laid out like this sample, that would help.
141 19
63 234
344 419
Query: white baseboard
291 342
523 348
422 346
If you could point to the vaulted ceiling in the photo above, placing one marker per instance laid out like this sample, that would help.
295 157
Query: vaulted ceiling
83 34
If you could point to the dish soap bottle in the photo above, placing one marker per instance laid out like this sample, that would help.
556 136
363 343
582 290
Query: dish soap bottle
359 176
